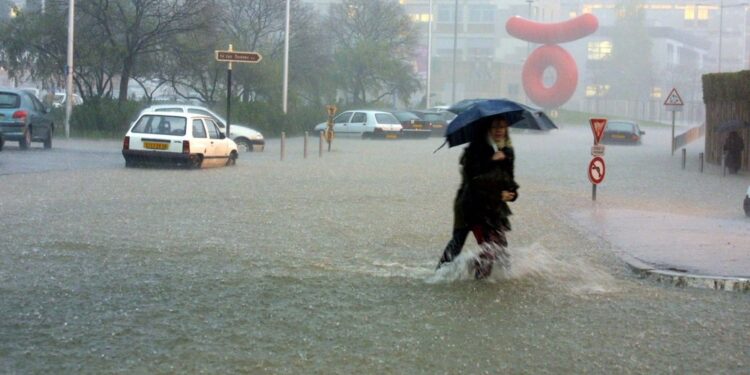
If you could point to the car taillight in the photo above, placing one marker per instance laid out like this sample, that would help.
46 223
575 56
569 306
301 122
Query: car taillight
126 143
20 115
185 147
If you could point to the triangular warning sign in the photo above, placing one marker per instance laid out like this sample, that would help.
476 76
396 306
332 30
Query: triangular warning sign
597 126
673 98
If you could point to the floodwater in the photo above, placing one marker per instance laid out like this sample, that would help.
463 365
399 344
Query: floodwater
326 265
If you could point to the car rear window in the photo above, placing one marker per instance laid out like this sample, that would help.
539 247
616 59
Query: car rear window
9 100
157 124
385 118
406 116
434 117
619 127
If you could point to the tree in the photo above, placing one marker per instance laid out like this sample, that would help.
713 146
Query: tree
375 41
135 28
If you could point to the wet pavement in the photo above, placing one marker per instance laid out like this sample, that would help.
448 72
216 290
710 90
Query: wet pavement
326 265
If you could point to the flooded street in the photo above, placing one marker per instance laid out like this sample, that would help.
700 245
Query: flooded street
326 265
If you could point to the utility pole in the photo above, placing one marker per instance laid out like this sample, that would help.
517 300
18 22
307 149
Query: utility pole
69 69
455 50
429 58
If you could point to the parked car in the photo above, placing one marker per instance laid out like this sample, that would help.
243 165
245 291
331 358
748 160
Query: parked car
247 139
622 132
185 139
2 142
438 121
24 118
58 101
746 203
365 124
413 126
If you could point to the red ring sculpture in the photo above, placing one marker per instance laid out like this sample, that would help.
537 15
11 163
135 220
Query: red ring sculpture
551 55
533 76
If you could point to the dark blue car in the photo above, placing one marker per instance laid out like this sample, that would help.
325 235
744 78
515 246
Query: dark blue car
24 118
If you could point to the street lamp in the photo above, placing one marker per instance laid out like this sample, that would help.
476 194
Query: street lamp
69 70
455 50
286 60
429 57
528 44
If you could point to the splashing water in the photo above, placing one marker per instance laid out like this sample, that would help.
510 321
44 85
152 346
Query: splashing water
535 263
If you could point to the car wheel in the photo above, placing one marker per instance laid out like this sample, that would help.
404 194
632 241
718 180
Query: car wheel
232 158
196 163
26 141
48 141
244 146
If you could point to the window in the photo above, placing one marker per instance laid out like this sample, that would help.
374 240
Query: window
482 14
445 13
596 90
359 117
599 50
213 130
156 124
384 118
342 118
198 130
9 100
696 12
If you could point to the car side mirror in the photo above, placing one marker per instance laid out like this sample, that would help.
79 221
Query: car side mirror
222 136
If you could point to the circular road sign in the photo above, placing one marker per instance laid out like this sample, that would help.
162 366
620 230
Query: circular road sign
596 170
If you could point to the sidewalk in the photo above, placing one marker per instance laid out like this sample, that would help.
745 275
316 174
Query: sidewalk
678 249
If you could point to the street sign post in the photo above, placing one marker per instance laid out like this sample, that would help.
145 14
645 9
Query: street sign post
674 104
597 127
597 170
229 57
596 166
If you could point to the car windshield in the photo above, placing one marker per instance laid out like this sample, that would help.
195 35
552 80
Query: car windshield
384 118
9 100
620 127
157 124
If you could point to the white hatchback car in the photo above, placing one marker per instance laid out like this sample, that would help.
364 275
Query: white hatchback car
247 139
185 139
365 124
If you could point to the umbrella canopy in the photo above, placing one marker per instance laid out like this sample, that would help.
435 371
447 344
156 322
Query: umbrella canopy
472 113
733 124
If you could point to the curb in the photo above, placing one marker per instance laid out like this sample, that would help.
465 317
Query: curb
683 280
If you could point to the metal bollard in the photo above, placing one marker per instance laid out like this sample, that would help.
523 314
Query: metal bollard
700 156
684 158
283 141
305 147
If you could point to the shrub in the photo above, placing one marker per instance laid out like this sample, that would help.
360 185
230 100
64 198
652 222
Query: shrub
100 117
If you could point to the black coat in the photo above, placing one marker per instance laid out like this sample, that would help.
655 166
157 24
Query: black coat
479 199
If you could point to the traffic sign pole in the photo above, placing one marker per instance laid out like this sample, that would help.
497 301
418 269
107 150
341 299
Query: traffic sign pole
229 94
229 57
673 103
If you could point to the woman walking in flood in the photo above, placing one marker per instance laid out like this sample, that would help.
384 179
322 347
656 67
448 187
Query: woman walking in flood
481 205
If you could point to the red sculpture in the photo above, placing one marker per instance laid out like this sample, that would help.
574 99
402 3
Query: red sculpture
551 55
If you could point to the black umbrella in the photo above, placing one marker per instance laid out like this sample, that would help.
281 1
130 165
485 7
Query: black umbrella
533 118
478 112
731 125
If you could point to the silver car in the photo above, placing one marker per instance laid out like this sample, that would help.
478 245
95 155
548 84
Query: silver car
365 124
